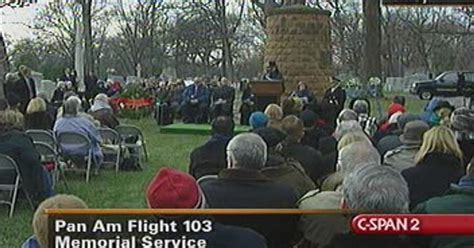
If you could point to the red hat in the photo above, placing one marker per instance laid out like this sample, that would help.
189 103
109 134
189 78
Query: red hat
173 189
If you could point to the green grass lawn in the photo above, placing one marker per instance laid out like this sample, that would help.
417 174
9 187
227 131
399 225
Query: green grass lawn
126 189
110 189
413 104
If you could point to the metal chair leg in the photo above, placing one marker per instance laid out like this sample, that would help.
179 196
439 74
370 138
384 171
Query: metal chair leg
62 173
88 169
14 196
117 161
145 151
28 198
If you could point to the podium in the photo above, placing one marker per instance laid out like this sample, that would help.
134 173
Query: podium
266 92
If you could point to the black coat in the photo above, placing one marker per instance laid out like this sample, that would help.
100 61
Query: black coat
308 157
351 240
210 158
432 176
336 96
52 111
239 188
224 236
221 236
312 136
328 149
19 92
38 120
58 96
225 93
20 148
467 147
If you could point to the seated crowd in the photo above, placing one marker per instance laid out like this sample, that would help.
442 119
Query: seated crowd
303 156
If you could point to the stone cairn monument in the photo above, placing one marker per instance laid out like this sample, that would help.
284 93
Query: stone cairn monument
299 41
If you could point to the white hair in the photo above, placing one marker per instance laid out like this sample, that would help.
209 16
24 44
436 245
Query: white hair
247 150
347 115
101 97
72 106
357 154
346 127
376 188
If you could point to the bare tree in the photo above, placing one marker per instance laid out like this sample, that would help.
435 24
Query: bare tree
88 43
373 36
138 25
54 24
226 21
3 65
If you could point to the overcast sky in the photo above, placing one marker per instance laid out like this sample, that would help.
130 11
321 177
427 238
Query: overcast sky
12 20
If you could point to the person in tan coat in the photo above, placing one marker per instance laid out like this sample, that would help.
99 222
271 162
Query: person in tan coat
318 230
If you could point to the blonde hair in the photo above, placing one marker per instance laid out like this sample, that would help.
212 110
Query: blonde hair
293 127
274 112
11 119
351 138
40 218
439 139
36 104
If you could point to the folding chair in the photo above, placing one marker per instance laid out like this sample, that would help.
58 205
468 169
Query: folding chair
10 181
49 155
111 145
126 132
207 178
43 136
75 141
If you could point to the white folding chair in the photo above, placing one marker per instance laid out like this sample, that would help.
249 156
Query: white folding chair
49 155
207 178
76 141
10 180
43 136
111 145
128 131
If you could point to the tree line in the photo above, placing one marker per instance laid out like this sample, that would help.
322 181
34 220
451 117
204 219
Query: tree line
218 37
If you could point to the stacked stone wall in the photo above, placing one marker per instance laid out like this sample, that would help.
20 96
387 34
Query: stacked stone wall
299 41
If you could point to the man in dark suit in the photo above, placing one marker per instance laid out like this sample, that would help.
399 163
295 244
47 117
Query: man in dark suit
222 99
210 158
336 95
195 102
22 90
242 185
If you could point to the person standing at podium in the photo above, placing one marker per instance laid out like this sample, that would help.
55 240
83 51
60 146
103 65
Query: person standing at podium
195 102
272 73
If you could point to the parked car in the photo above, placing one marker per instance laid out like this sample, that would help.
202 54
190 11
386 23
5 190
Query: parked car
450 83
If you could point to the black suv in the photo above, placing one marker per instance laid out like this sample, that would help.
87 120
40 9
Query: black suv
450 83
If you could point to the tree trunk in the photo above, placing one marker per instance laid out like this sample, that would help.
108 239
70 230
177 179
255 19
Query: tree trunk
372 15
228 67
87 22
3 65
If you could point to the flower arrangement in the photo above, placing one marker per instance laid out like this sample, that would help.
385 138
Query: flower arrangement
134 102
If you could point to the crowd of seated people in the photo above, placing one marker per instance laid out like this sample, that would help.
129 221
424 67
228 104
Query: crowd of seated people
42 114
200 101
318 155
398 164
